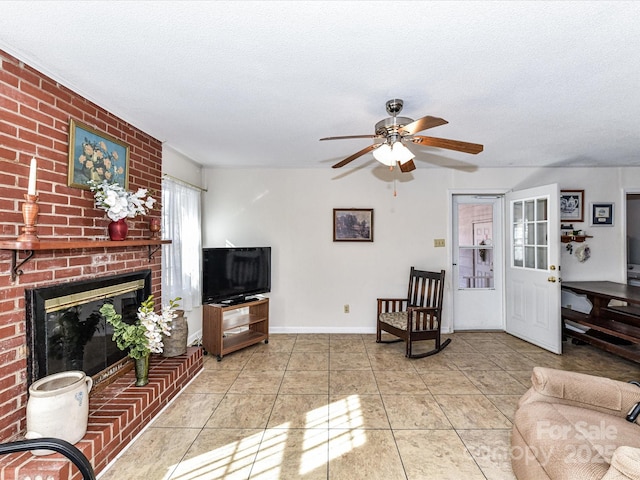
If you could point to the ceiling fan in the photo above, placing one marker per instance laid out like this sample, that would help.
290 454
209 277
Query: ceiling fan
393 132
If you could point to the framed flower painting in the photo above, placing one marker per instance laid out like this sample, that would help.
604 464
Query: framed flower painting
94 155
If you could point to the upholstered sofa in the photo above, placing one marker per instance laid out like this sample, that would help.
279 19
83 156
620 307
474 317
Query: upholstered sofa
573 426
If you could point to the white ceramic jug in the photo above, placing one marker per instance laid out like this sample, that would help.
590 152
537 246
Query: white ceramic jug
58 406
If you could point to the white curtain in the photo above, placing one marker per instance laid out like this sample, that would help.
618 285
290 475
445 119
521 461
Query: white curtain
181 260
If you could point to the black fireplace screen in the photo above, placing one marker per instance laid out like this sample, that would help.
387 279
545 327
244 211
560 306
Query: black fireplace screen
65 329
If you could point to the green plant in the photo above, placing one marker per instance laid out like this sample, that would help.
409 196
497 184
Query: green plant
144 336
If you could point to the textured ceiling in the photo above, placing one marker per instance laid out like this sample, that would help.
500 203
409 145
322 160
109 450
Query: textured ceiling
245 84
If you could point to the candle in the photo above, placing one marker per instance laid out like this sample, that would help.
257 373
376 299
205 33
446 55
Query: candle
32 178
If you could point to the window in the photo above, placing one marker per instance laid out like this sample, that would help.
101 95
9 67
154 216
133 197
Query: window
475 245
530 226
181 260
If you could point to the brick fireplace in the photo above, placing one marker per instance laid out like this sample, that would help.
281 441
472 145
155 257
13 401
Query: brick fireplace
35 114
65 330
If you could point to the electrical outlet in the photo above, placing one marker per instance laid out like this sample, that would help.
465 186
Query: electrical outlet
438 242
346 308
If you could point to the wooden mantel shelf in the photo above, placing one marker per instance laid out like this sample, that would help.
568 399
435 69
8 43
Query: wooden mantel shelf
74 244
31 247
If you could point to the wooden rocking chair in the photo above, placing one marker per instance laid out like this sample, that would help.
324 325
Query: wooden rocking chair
416 317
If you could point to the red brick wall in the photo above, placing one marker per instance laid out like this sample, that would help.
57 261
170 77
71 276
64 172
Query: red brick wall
34 122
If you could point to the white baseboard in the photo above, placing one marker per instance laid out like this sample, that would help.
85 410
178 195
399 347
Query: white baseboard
344 330
195 338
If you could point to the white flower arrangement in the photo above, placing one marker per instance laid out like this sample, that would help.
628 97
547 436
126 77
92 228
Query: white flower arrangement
156 324
118 202
144 336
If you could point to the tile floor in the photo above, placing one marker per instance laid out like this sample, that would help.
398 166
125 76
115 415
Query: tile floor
341 407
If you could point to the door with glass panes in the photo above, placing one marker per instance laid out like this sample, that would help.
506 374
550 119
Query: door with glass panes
532 273
477 262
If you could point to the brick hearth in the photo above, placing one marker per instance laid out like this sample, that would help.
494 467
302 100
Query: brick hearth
116 415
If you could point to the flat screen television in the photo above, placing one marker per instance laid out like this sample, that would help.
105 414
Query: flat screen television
233 274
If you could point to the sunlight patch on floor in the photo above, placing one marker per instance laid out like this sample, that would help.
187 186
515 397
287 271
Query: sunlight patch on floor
347 415
272 454
280 445
232 460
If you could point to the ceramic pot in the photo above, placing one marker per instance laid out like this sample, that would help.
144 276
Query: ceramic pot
142 371
118 230
176 343
58 406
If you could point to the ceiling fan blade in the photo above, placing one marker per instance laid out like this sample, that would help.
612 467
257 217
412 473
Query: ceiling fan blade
465 147
422 124
355 155
348 136
407 166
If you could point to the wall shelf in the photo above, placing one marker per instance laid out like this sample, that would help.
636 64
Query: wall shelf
29 248
574 238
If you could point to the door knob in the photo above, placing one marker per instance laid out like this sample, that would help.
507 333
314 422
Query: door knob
551 279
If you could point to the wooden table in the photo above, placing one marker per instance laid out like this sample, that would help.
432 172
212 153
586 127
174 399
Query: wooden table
614 328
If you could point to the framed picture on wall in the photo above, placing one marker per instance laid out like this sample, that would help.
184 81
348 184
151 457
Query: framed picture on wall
601 214
94 155
353 224
572 205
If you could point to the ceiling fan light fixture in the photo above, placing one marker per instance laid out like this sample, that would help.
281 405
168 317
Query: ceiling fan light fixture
402 153
383 154
390 155
393 132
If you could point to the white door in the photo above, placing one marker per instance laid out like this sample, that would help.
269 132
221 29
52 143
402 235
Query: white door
477 263
532 280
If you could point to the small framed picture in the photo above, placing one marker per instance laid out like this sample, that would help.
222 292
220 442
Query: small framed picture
602 214
572 205
353 224
94 155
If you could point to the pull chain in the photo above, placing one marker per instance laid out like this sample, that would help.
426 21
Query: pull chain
395 182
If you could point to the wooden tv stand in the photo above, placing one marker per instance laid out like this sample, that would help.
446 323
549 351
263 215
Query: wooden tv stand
217 337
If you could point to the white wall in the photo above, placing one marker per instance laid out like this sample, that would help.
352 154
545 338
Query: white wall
182 168
314 277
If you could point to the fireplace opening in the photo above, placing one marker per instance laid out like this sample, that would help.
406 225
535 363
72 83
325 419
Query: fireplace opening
65 330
